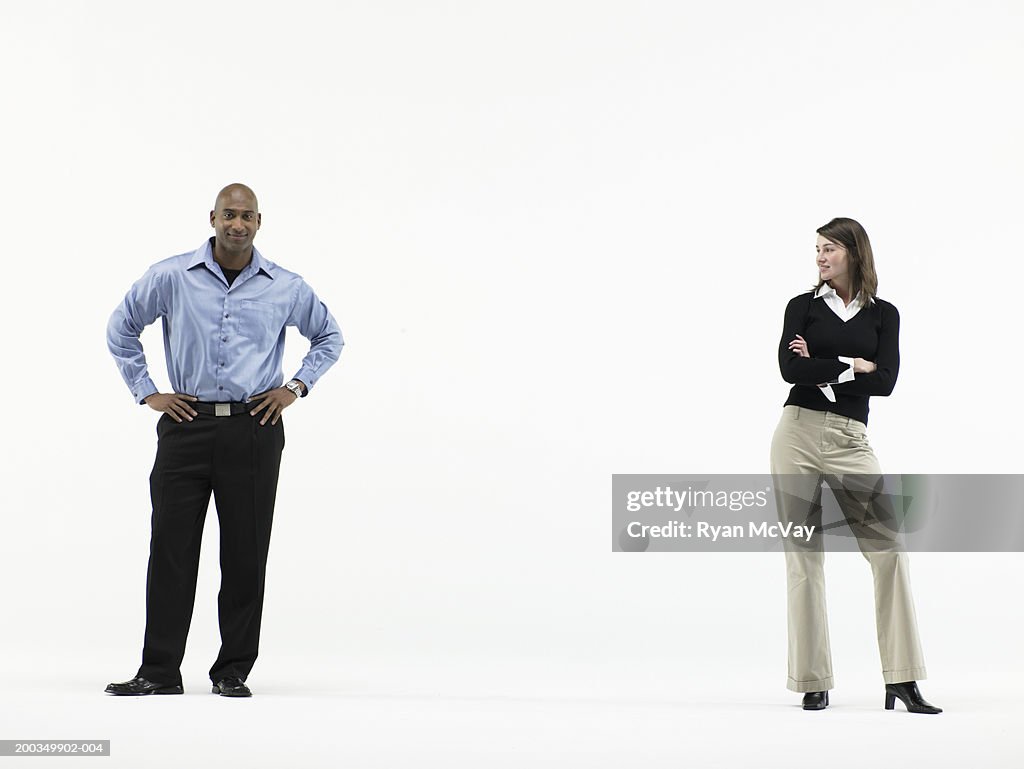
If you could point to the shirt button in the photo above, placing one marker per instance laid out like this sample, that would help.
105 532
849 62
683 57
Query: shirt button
220 387
223 339
221 363
226 315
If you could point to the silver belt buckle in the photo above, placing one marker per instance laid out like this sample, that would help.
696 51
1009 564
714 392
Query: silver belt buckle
222 409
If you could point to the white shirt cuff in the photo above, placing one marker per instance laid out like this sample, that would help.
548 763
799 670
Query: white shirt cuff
826 390
846 376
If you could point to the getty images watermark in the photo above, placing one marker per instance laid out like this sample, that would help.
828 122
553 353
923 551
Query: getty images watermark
757 513
675 500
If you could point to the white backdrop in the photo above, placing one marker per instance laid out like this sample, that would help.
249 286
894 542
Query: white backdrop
559 238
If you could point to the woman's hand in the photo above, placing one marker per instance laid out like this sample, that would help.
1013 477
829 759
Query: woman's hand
861 366
799 346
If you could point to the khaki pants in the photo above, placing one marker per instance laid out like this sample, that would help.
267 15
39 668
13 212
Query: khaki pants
808 447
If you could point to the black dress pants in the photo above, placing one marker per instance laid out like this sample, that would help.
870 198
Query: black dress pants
238 460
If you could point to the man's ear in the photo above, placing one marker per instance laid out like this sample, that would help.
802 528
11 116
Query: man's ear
213 217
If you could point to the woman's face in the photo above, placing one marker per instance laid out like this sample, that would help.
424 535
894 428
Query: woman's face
832 259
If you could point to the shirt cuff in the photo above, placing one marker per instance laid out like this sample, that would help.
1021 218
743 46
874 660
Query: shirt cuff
827 392
307 378
846 376
143 389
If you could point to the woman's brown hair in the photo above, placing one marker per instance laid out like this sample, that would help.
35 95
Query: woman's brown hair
851 235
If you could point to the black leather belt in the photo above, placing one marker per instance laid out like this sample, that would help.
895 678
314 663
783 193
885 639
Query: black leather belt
221 409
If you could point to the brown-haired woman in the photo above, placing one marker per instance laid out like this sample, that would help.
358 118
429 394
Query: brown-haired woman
840 345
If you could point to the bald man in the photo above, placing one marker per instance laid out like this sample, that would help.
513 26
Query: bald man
225 308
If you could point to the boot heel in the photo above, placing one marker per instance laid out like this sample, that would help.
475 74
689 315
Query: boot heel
910 696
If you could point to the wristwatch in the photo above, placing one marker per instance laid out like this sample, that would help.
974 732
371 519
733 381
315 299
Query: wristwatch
295 386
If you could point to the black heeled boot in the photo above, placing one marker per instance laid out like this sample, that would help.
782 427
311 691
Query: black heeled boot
815 700
910 696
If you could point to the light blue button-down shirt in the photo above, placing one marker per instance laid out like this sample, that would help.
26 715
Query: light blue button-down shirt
221 342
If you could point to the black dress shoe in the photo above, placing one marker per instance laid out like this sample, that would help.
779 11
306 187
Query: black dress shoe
911 697
231 687
815 700
140 685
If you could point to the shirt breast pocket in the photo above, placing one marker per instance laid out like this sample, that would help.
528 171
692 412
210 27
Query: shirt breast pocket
257 320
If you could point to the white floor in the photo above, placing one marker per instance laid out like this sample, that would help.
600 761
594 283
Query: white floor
513 713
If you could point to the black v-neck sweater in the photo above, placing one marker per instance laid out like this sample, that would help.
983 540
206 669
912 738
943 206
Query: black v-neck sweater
873 334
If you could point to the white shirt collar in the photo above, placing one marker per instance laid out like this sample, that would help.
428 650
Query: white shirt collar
826 290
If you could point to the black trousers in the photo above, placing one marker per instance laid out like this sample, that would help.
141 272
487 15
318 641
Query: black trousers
238 460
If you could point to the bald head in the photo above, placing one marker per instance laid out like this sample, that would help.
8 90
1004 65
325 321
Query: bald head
236 191
235 218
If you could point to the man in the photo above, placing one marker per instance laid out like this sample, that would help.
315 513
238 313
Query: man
225 308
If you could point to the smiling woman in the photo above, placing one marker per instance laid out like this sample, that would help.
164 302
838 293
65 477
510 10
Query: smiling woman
839 346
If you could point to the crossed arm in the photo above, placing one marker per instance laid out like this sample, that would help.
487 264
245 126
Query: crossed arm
876 377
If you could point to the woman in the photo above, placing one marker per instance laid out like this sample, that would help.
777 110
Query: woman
840 345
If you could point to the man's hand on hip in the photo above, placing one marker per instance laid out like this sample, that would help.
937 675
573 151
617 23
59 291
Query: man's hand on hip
175 404
274 401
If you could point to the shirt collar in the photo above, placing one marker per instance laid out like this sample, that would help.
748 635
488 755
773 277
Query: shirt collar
825 290
204 255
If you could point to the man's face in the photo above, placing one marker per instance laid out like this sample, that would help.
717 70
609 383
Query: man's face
235 220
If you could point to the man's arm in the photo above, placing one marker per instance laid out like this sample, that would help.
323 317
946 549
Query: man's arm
316 323
141 306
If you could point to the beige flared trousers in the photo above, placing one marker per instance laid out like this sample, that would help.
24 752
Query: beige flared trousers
809 447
